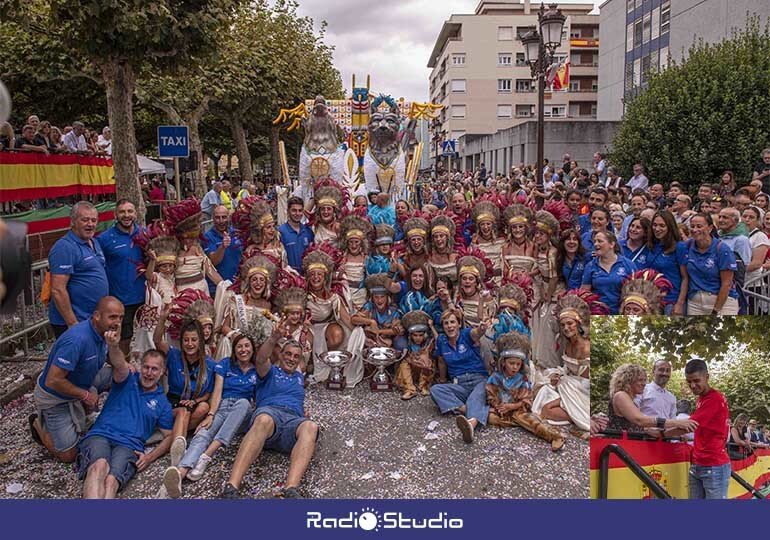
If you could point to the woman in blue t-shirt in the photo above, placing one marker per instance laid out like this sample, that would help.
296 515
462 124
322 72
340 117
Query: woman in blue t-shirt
231 406
190 379
607 271
634 247
711 267
571 257
600 221
668 255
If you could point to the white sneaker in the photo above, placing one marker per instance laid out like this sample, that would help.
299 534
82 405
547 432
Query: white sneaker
200 467
172 481
178 448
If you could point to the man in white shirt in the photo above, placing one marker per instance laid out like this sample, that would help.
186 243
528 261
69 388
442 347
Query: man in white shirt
656 401
638 180
74 141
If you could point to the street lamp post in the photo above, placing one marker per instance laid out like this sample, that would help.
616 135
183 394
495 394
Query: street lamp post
539 49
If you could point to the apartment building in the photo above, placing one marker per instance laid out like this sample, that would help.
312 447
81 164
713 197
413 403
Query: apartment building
479 72
640 36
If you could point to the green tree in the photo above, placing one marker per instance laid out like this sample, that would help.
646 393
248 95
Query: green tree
702 116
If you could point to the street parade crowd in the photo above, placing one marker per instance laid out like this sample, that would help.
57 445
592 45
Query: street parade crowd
483 285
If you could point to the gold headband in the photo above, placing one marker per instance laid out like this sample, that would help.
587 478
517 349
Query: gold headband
327 202
439 229
486 217
517 219
636 299
543 227
258 270
191 234
293 307
354 233
265 220
569 314
317 266
513 304
205 320
469 270
166 259
416 232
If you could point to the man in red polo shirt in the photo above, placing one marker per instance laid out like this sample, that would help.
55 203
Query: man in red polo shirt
710 467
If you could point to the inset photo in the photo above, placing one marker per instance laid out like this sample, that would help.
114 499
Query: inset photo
680 408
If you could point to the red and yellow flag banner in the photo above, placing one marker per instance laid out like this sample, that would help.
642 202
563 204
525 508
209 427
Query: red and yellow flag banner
669 464
28 176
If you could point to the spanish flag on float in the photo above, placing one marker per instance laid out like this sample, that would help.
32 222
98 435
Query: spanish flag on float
668 463
28 176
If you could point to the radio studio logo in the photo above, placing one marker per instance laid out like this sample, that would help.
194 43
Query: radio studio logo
370 519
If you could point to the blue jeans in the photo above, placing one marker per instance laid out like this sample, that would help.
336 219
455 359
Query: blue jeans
469 391
709 482
230 419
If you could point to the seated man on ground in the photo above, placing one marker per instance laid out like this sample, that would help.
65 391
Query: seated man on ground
279 421
69 386
113 450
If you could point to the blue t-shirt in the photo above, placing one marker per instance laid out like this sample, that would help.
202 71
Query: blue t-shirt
462 359
638 256
668 264
81 351
280 389
607 284
295 243
587 240
228 266
84 265
122 257
573 271
236 384
704 268
584 223
131 414
175 369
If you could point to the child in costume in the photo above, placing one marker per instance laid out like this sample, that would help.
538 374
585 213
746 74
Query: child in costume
379 317
509 391
291 305
381 261
418 362
354 243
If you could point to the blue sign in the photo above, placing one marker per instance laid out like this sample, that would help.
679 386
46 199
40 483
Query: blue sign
448 147
173 142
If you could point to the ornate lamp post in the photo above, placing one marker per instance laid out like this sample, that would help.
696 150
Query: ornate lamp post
539 49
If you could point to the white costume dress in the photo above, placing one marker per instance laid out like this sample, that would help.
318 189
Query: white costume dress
573 390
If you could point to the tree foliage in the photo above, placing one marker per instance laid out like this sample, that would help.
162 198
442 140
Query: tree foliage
736 349
702 116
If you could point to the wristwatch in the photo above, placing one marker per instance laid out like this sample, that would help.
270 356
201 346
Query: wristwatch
660 422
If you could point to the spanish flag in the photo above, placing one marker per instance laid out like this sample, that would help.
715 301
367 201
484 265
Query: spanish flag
561 76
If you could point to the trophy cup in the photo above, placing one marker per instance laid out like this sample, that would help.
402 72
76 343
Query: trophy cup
381 357
336 360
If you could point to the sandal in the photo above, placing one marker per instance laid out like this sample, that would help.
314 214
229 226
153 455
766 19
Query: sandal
35 435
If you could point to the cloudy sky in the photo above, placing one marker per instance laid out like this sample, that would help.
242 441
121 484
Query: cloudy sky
389 40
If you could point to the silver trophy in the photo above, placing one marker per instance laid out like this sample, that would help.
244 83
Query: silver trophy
336 360
381 358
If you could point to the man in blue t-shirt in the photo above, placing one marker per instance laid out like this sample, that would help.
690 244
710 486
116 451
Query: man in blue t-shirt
121 259
296 237
113 450
71 380
78 275
279 421
222 246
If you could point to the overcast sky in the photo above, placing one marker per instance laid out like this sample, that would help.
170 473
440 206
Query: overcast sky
389 40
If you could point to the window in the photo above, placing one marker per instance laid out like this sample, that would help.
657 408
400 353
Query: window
629 6
504 86
638 33
458 111
574 86
645 69
594 108
629 78
524 85
594 85
525 111
630 37
663 58
665 17
654 60
646 27
505 33
504 111
523 30
555 111
458 59
504 59
560 58
521 59
575 33
458 86
655 23
637 71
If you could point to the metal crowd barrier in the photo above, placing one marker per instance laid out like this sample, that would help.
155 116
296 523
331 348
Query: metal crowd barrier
757 291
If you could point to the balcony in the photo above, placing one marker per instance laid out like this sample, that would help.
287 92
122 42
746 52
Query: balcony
584 43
